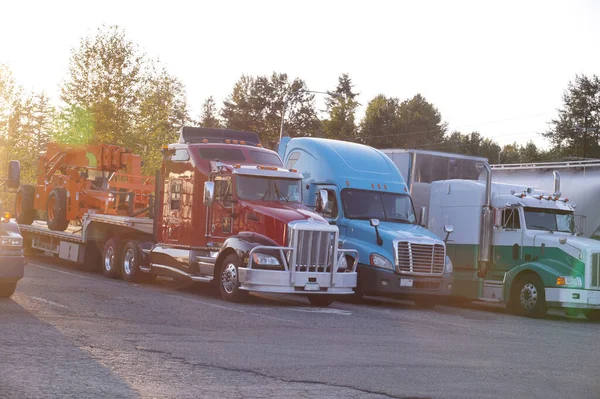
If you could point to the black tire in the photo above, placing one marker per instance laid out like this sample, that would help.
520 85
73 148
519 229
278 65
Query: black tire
593 315
24 211
130 262
130 203
57 217
229 285
92 261
528 297
425 302
357 296
28 248
111 258
7 289
321 301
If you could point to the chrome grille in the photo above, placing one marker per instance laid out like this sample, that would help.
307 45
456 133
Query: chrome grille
595 282
420 258
314 248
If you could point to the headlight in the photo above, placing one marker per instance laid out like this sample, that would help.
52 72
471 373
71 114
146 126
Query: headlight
380 261
265 260
568 281
11 241
449 269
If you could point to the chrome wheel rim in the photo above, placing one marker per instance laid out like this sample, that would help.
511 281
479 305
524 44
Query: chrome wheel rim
109 258
529 296
229 278
128 261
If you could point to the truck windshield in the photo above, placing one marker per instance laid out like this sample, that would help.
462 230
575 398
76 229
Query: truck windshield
255 188
362 204
549 219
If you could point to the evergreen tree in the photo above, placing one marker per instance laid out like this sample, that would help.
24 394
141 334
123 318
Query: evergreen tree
209 116
341 105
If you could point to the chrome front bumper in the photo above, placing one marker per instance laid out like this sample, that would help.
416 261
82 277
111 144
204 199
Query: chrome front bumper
293 281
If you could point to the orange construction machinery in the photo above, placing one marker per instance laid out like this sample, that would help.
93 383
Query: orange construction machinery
75 179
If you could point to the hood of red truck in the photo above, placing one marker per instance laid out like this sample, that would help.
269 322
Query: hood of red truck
270 218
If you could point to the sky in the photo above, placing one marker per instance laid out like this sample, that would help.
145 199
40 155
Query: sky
497 67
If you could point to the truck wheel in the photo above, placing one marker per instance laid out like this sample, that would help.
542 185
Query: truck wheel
529 297
92 260
229 284
7 289
56 210
24 212
425 303
593 315
357 296
111 258
28 248
130 265
321 301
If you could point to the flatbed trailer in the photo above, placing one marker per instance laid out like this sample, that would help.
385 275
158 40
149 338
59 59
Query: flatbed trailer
82 243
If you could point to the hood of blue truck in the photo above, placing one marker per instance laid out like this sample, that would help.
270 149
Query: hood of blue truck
360 235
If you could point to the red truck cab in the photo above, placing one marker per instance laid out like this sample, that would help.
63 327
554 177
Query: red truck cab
228 212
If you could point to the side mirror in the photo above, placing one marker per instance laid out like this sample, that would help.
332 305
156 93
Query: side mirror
423 216
209 193
448 229
322 201
374 222
14 174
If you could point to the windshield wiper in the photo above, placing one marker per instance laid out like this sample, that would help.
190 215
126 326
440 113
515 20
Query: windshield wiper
542 227
279 193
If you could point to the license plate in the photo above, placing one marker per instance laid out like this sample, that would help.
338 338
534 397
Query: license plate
406 282
312 287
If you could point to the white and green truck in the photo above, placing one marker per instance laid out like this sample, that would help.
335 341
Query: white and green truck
511 243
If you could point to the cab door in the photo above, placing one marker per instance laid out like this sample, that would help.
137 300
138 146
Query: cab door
221 212
507 244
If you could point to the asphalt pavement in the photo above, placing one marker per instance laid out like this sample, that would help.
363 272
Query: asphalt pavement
68 333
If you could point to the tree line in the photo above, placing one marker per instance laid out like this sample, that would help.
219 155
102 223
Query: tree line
114 93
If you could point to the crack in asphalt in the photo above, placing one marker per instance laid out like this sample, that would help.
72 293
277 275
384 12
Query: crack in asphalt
257 373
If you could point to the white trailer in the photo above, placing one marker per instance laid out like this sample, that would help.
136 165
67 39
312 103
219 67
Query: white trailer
579 180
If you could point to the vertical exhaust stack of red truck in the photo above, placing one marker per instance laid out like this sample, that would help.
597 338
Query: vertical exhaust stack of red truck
226 212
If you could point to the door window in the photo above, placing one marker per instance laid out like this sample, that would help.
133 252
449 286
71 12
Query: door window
510 219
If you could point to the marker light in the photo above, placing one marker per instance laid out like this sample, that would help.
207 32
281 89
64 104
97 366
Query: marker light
372 185
234 141
237 166
227 141
379 186
7 216
259 145
205 140
242 142
568 281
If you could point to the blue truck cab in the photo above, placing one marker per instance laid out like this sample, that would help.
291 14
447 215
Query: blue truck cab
360 190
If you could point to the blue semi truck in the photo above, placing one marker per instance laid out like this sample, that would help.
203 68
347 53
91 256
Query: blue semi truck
360 190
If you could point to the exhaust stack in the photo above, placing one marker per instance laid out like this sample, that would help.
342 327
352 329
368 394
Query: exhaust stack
485 239
556 183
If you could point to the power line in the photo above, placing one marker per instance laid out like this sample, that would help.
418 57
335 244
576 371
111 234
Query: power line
401 134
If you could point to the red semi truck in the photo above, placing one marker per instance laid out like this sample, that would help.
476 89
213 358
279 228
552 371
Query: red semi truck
226 212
